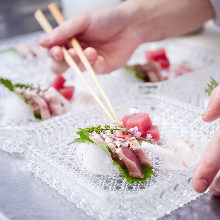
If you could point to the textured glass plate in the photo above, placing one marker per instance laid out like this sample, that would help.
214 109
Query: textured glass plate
109 196
190 88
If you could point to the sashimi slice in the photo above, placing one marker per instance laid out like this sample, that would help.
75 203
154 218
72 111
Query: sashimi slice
156 54
159 56
164 63
131 161
58 83
154 131
169 160
67 92
139 152
189 152
141 120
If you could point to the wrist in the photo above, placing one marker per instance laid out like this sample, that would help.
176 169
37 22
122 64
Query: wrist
142 19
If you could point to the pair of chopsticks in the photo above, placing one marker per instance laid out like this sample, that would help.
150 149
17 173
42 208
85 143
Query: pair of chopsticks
46 26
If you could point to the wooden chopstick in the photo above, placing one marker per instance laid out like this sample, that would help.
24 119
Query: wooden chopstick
46 26
60 19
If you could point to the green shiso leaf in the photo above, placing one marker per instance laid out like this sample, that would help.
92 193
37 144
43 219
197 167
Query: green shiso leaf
7 83
134 70
84 138
211 86
147 171
37 116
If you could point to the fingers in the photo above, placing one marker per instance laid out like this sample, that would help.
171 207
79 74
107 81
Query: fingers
70 28
213 110
208 166
215 187
56 53
59 65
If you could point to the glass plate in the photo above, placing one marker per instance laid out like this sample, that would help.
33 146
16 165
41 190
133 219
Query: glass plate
190 88
109 196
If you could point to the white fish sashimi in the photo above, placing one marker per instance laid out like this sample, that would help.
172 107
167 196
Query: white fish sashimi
179 153
169 160
188 151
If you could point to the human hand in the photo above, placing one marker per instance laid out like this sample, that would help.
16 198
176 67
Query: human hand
110 35
106 35
210 162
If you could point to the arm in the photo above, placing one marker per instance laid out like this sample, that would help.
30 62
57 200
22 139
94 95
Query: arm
111 34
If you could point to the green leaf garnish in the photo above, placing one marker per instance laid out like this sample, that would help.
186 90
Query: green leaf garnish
147 171
23 86
37 116
211 86
134 70
7 83
9 49
84 138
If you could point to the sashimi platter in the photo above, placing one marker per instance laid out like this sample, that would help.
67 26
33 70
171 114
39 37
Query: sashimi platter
123 154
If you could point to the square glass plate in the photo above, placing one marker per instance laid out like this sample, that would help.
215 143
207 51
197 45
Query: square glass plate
190 88
109 196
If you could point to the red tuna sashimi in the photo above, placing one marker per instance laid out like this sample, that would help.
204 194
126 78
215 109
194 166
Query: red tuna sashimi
67 92
58 83
159 56
154 131
156 54
131 161
164 63
141 120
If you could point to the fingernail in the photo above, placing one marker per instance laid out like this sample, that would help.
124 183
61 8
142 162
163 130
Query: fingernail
206 112
215 191
44 40
202 185
56 56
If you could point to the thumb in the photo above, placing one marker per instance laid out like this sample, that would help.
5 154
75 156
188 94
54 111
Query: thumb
70 28
213 110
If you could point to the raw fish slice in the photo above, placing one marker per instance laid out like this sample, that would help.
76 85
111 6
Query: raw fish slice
141 120
57 103
189 152
58 83
170 160
131 161
139 152
67 92
154 131
113 148
40 105
96 138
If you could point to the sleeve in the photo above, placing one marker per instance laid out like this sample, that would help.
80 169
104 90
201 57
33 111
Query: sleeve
216 7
